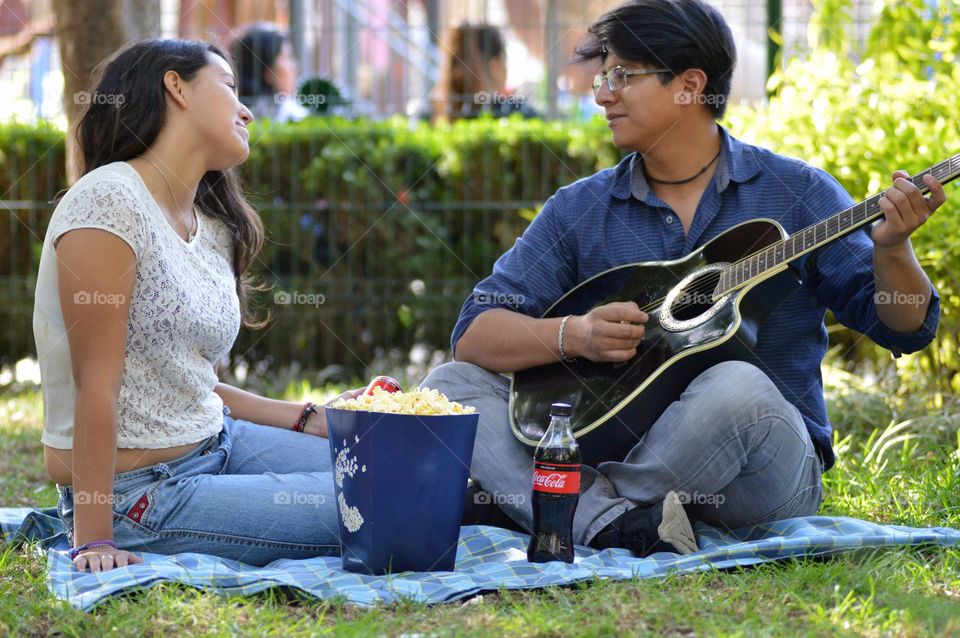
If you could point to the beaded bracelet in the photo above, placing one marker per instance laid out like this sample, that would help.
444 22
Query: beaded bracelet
308 409
74 552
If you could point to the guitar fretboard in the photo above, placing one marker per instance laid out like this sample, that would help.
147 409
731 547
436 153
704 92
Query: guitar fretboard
809 239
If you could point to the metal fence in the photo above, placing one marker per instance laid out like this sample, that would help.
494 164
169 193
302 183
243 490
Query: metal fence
386 55
389 272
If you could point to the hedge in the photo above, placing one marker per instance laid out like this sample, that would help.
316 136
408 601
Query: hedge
390 223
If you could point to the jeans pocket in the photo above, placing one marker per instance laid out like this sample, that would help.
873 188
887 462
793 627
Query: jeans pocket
150 504
136 503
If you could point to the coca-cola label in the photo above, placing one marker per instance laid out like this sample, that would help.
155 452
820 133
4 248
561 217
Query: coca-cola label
556 478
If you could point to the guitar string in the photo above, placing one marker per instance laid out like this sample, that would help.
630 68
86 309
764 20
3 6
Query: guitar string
945 168
957 158
939 171
710 282
703 286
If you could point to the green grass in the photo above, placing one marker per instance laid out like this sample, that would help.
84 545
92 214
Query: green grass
899 463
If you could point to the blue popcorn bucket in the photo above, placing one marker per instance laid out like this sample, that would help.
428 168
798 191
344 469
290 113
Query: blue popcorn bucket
400 481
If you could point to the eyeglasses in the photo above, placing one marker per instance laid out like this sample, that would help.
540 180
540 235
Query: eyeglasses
617 77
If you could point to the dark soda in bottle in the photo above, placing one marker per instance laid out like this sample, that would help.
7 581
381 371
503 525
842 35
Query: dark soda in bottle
556 489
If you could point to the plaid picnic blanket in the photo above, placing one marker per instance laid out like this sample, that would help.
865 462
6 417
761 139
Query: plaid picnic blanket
488 558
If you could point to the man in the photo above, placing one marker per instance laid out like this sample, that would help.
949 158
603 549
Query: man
747 441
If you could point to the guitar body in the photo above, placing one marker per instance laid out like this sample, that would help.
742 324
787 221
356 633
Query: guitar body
688 332
704 309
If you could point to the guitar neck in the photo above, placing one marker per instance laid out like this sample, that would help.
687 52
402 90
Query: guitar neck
766 262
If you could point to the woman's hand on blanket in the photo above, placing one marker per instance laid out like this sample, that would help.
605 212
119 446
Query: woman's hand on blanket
317 422
103 559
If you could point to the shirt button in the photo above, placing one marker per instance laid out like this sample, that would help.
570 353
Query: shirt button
669 219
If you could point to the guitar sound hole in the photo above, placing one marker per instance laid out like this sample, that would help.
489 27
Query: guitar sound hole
696 297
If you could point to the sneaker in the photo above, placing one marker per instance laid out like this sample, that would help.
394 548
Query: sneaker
661 527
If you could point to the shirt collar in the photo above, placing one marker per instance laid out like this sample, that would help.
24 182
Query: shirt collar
737 163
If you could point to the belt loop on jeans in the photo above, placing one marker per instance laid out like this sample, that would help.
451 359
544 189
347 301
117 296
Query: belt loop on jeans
162 470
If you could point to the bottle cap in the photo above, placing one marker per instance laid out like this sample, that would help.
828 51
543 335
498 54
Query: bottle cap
561 409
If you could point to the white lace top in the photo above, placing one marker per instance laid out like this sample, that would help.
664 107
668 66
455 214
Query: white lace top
184 316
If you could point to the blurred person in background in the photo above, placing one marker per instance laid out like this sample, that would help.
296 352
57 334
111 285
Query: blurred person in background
473 76
267 73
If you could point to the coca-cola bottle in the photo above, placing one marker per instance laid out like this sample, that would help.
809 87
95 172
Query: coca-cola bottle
556 489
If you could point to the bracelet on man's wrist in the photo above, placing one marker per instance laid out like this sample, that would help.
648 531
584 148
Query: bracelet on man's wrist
563 355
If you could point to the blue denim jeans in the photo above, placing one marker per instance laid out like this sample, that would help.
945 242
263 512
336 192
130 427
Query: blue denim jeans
736 451
252 493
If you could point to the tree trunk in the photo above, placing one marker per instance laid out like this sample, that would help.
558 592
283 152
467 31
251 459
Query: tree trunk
141 19
88 32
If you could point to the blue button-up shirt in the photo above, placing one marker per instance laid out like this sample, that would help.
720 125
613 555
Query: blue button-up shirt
613 218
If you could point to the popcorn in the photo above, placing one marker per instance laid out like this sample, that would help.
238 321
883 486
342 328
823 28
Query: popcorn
421 401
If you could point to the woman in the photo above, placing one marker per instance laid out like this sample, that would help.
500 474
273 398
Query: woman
473 76
267 73
142 288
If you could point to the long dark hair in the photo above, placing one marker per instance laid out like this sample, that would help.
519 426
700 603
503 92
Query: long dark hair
466 69
126 112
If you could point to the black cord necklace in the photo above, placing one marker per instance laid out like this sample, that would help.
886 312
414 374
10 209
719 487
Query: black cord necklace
676 182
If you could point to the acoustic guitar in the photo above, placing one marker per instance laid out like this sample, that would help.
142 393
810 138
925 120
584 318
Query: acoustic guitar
704 308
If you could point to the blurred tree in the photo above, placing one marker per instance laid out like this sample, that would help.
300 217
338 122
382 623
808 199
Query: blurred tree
88 32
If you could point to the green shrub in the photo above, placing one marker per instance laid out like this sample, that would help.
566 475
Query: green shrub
391 223
32 171
860 115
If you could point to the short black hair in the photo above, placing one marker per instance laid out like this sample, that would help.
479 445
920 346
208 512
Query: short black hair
673 34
